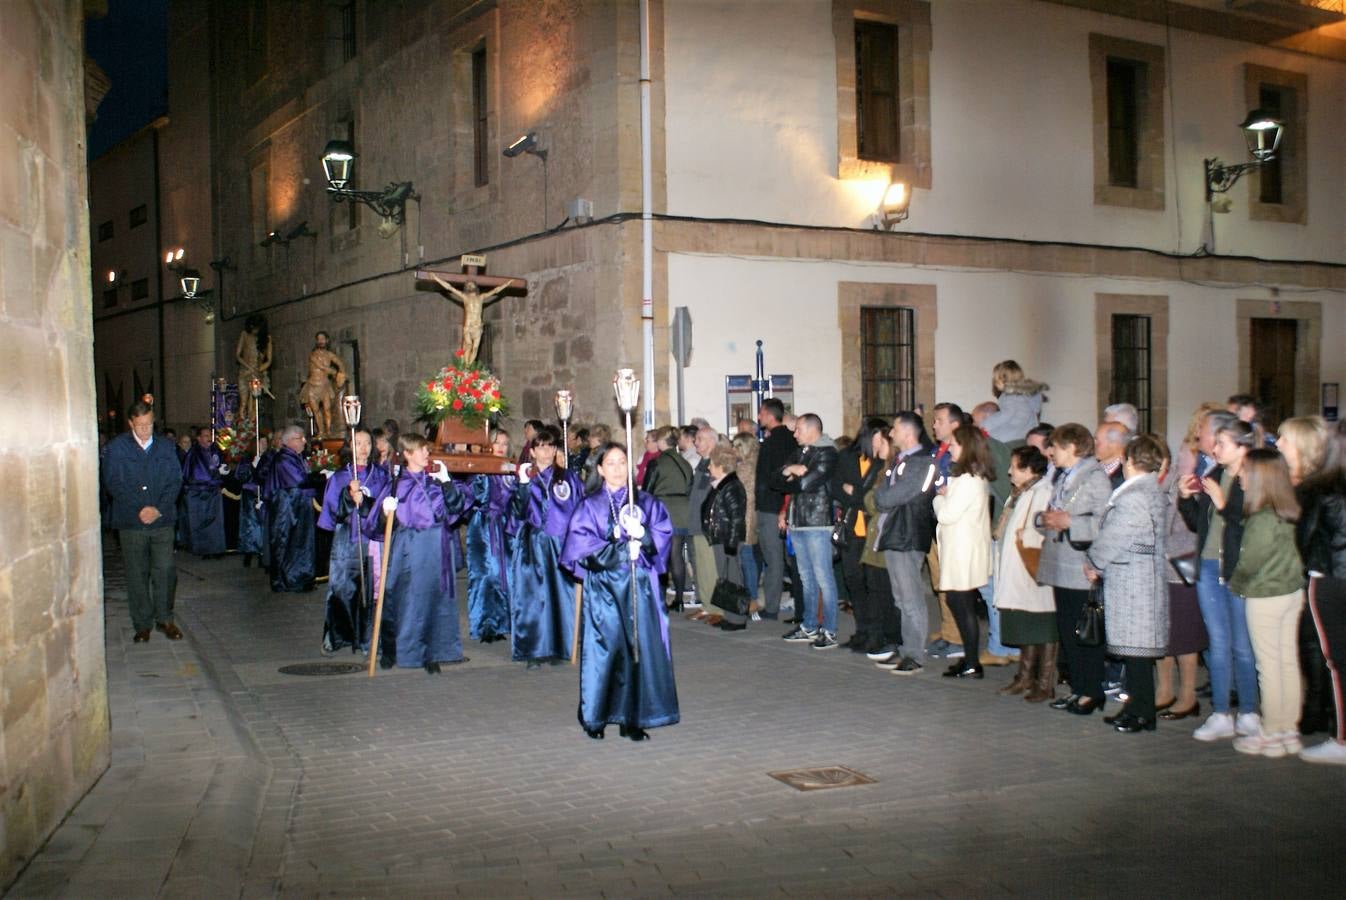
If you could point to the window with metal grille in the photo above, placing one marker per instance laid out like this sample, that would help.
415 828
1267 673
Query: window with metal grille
139 216
140 289
105 231
1131 365
109 298
1278 101
1126 84
877 117
887 359
480 160
348 31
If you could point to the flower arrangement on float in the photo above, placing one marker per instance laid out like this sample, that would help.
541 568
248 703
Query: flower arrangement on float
323 460
468 392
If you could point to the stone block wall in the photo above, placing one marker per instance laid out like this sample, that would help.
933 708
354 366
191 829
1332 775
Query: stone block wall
53 684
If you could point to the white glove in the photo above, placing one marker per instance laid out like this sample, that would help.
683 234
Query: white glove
257 506
441 472
633 549
525 473
631 524
389 505
256 459
328 473
364 489
224 470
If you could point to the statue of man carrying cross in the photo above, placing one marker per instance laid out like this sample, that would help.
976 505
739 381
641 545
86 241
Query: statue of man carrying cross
466 287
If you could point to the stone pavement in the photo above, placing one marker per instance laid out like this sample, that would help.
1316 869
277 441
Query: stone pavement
231 779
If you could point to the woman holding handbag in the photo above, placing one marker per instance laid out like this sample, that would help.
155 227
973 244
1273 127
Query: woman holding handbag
1128 555
963 514
724 523
1027 609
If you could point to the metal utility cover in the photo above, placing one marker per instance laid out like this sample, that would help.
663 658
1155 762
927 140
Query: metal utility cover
821 778
322 668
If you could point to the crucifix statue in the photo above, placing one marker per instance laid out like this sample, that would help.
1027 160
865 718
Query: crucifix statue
465 287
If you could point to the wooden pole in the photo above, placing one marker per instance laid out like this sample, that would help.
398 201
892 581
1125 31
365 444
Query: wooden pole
575 635
383 586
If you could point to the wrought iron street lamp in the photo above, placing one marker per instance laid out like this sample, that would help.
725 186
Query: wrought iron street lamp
338 165
1263 132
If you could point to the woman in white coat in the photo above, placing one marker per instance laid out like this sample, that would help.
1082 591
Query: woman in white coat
1027 609
963 529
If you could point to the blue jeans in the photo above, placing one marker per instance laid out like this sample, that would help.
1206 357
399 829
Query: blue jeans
993 645
747 563
1231 650
813 555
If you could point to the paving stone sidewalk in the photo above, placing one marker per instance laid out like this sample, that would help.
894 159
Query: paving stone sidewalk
232 779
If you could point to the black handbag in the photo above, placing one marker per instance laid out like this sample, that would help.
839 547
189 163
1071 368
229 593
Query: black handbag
730 597
1089 626
1187 566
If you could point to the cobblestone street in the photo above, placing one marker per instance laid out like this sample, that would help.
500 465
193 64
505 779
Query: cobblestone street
229 778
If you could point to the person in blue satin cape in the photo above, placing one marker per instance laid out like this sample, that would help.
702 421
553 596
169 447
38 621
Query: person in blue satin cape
288 495
542 615
348 619
420 604
489 535
602 540
201 483
251 511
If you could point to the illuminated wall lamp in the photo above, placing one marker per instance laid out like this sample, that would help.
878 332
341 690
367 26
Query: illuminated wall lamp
1262 132
895 206
338 165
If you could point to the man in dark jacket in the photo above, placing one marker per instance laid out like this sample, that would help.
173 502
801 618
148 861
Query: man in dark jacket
905 498
807 479
855 474
143 477
777 448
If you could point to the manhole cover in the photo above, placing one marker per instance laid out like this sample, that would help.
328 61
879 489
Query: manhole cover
322 668
821 778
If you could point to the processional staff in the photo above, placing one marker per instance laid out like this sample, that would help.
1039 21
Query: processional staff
350 410
627 388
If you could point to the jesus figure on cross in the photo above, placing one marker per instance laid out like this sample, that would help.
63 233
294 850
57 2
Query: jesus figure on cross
465 288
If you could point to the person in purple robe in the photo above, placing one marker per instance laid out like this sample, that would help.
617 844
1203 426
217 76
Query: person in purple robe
542 594
288 495
420 605
626 664
252 475
489 536
348 619
202 468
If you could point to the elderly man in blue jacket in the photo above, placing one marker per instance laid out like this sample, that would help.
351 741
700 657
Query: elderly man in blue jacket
142 475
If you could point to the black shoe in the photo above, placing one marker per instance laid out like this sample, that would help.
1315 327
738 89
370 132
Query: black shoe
958 670
1083 706
1063 702
675 606
635 733
432 668
729 626
387 662
1116 717
596 735
854 642
533 664
1129 724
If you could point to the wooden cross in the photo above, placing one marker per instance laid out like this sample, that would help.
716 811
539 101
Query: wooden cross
465 288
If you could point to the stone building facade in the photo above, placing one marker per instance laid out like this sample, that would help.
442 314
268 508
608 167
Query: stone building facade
1022 242
53 683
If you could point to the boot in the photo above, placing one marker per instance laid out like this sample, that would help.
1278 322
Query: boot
1045 688
1023 679
1317 707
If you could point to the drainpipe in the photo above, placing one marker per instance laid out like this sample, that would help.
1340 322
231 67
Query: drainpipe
646 226
161 389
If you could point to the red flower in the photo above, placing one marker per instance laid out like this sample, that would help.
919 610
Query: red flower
458 352
478 407
457 404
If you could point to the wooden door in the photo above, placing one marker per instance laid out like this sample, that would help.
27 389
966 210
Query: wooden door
1272 354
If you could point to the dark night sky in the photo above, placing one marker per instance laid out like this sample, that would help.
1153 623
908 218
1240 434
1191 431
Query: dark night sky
130 45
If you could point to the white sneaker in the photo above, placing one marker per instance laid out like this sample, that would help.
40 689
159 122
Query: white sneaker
1217 727
1248 724
1290 741
1268 745
1328 751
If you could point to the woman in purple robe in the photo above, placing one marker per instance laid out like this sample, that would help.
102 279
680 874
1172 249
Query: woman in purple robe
606 546
201 483
542 594
420 605
489 534
349 611
288 495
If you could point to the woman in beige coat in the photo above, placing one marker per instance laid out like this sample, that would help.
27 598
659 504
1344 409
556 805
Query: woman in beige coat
1027 609
963 514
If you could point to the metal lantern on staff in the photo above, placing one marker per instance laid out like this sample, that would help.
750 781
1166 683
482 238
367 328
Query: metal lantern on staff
627 388
255 388
350 411
565 407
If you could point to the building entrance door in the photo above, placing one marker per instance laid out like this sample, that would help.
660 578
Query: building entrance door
1272 358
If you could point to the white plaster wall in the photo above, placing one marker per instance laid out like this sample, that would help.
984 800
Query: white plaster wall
1045 322
751 127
